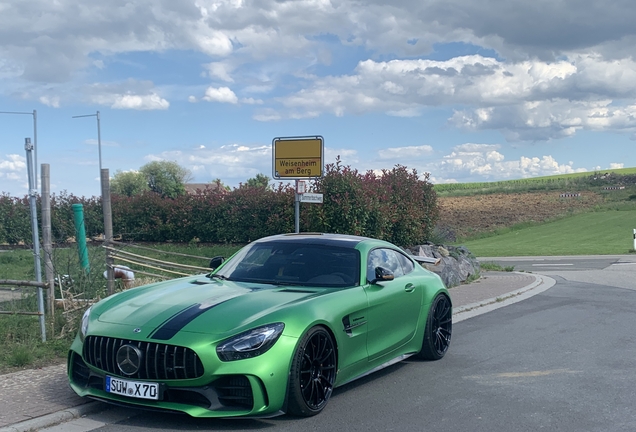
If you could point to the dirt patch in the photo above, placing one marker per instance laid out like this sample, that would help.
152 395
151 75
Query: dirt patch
470 215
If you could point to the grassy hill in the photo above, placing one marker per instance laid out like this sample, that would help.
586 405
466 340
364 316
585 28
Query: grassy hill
595 233
559 215
574 181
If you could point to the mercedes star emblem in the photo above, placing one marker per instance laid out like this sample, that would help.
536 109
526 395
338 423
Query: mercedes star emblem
128 359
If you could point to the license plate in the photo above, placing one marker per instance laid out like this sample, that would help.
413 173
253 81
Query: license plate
135 389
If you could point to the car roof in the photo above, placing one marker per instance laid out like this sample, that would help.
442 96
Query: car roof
340 240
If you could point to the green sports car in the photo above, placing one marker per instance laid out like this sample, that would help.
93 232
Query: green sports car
272 330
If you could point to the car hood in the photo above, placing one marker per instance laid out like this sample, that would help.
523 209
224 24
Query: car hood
200 304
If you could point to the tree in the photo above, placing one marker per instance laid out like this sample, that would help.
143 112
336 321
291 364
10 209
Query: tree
261 181
166 178
128 183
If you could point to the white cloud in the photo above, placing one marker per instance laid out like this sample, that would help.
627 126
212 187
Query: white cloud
221 94
13 172
405 153
233 163
12 163
140 102
251 101
483 162
543 74
129 94
50 101
220 28
501 92
351 156
548 119
220 70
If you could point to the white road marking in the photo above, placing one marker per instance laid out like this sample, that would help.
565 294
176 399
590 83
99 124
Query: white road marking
553 265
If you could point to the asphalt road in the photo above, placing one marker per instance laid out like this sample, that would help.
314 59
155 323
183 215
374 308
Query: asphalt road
552 264
563 360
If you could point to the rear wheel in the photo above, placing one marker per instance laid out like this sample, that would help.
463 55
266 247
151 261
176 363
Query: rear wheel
313 373
439 326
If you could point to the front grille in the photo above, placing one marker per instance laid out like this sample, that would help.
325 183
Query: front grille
159 361
234 391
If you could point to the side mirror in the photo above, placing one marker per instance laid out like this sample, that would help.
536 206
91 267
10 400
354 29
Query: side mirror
216 261
382 275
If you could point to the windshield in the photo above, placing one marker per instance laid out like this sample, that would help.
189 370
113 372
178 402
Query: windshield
288 263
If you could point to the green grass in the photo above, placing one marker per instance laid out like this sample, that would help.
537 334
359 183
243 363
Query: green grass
16 264
619 171
20 340
21 343
594 233
491 266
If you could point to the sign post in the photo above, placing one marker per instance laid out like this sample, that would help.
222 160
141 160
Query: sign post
298 158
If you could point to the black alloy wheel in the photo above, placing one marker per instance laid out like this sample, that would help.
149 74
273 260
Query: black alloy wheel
439 327
313 373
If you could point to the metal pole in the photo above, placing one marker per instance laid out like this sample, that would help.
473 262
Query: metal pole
99 142
34 229
46 236
108 230
297 209
35 146
35 136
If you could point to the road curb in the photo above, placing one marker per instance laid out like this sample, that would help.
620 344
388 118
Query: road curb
541 283
55 418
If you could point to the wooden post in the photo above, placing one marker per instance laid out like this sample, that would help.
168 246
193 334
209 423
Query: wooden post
45 178
108 230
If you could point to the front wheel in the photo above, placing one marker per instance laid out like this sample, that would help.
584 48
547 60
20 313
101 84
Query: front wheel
312 374
439 326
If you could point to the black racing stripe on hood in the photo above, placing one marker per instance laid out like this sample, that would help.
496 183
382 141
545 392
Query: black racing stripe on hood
177 322
171 327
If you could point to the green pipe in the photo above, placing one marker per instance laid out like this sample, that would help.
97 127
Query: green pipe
80 236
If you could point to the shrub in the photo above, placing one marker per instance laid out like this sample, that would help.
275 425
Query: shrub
397 205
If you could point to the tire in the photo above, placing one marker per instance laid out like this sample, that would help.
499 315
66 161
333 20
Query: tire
439 327
312 374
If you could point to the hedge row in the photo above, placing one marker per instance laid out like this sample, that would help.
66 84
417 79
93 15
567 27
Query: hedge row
396 205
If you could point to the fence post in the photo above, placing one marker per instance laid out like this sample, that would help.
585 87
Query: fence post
45 178
108 230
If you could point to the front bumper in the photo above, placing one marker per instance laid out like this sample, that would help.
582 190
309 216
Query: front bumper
253 387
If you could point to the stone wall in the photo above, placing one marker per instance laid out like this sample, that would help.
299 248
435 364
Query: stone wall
457 264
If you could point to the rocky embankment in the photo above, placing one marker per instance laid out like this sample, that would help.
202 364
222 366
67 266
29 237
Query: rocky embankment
456 265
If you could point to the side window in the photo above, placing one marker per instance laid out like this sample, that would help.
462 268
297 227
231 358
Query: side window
386 258
407 264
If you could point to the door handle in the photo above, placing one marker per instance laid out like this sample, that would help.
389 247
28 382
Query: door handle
409 287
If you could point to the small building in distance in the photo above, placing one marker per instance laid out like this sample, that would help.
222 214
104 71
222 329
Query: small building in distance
192 188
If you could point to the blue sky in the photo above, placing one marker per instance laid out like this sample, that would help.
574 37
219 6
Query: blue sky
466 91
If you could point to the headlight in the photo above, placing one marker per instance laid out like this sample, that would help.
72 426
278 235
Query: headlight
84 326
251 343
